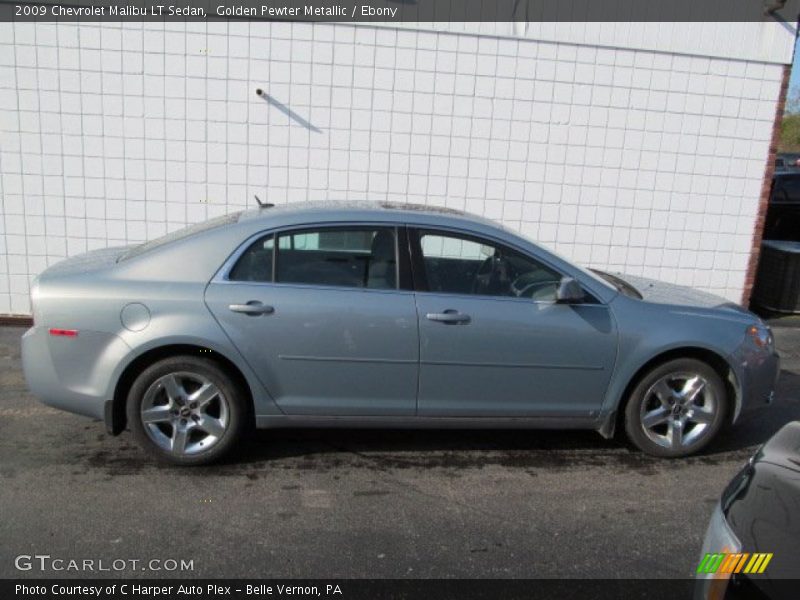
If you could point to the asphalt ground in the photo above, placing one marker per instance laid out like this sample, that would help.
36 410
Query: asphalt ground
345 503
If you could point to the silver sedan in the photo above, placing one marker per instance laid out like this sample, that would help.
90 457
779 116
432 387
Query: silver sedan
379 315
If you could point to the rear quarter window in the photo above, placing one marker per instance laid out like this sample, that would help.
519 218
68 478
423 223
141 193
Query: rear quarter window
256 262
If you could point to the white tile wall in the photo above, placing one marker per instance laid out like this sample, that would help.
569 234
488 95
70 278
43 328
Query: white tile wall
638 161
771 40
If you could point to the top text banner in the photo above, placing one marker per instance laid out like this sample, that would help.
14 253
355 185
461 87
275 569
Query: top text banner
400 11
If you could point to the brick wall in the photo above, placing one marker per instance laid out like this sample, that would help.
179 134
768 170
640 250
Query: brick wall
766 187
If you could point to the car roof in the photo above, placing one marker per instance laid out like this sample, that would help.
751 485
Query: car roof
189 256
359 210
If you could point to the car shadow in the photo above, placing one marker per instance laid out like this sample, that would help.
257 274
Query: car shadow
383 449
429 440
519 447
452 450
757 427
398 449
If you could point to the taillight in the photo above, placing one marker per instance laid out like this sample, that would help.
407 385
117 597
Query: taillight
64 332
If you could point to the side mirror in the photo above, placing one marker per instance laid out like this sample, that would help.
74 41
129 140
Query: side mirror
569 291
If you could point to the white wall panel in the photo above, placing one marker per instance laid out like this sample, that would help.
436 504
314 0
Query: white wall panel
648 162
767 41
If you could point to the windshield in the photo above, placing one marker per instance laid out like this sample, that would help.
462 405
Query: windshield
180 234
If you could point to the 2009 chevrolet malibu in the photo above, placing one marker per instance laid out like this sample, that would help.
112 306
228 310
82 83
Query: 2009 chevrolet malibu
378 315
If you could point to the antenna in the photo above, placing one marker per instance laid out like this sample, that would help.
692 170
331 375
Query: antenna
263 204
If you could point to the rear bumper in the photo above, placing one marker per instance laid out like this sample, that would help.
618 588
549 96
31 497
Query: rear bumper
757 373
72 373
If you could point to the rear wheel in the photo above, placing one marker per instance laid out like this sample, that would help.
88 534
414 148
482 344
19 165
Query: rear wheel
186 410
676 409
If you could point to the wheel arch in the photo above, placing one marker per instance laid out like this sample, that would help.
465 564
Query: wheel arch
715 360
115 414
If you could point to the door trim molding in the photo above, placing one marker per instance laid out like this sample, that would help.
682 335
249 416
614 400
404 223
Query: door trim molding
427 422
449 363
355 359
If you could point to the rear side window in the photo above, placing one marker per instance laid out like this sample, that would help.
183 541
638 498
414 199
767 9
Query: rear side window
357 257
256 262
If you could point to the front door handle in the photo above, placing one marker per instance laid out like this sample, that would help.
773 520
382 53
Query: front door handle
252 308
450 316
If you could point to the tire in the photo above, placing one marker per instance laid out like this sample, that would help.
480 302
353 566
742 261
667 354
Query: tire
676 409
195 412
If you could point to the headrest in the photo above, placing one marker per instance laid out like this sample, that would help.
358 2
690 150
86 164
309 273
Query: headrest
383 245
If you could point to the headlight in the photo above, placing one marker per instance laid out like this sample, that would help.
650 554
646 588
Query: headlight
719 546
761 336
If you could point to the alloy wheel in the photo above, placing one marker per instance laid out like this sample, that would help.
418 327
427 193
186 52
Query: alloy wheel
678 410
185 413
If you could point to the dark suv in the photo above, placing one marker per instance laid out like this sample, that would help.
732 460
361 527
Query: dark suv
783 213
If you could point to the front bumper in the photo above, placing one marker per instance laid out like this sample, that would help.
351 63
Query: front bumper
72 373
710 580
756 371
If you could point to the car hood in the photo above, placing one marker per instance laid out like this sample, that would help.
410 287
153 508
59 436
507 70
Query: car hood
660 292
783 448
762 504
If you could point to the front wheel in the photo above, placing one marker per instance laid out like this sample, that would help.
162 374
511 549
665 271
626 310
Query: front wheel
676 409
186 410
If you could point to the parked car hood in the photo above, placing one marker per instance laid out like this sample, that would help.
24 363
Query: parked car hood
783 448
661 292
762 504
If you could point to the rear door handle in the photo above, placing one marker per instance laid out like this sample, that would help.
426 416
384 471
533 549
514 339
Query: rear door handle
252 308
450 316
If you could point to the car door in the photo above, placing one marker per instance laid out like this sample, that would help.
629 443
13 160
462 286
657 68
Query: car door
493 340
321 319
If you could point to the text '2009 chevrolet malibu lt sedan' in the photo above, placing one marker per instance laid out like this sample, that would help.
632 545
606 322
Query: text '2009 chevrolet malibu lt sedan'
363 314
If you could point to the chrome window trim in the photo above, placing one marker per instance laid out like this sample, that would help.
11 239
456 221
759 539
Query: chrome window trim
223 273
598 303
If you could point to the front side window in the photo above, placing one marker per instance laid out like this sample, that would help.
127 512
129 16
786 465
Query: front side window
455 264
359 257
